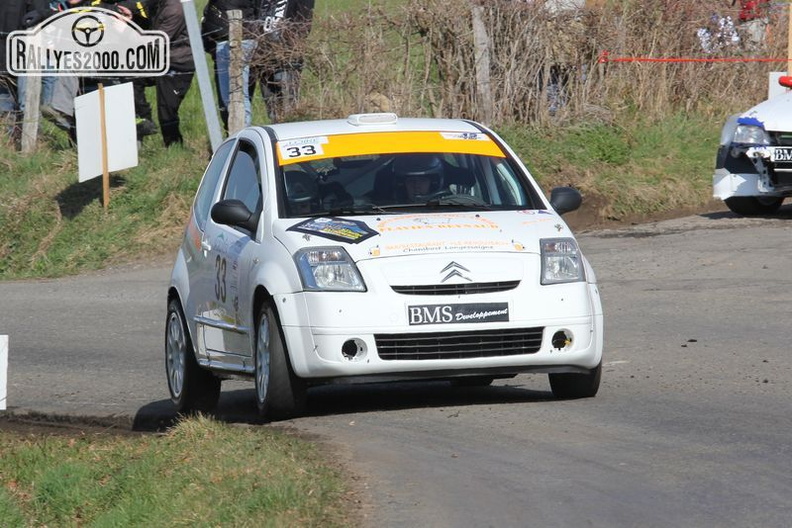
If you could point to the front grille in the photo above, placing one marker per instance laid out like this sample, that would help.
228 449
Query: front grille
781 176
457 289
781 139
459 345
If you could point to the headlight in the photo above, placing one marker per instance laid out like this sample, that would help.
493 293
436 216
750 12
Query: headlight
328 269
750 135
561 261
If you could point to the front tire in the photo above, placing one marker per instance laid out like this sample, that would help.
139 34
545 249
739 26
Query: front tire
753 205
192 389
573 386
280 394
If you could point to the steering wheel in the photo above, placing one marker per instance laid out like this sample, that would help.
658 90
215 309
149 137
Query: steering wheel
435 195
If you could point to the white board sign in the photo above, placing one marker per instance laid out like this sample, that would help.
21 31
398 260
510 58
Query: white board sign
122 152
3 370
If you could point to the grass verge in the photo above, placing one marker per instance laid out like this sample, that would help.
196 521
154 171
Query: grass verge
199 473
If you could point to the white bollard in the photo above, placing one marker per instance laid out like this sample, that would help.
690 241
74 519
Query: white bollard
3 370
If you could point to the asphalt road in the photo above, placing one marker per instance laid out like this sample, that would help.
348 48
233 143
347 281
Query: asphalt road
691 427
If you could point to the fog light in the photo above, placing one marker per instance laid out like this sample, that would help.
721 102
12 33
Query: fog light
353 349
561 340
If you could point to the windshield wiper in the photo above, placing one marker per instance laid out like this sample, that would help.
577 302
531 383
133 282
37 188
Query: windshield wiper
453 201
349 210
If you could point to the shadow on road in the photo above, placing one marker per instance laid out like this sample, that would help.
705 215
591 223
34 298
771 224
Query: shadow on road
785 212
239 406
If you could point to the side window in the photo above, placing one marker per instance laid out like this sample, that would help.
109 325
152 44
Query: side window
244 181
203 198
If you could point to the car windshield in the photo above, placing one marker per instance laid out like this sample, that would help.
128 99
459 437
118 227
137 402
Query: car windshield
385 183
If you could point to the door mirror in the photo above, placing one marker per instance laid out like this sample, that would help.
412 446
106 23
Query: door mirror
785 81
234 213
565 199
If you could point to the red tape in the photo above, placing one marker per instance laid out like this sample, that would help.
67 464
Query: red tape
604 58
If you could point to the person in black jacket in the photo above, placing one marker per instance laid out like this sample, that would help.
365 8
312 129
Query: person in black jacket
168 16
14 15
283 27
11 14
214 31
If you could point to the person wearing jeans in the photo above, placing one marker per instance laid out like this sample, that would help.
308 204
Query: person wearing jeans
223 80
214 31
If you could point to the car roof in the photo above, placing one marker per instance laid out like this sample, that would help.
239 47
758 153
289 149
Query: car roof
363 123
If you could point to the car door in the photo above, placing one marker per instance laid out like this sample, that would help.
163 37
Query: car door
223 324
200 280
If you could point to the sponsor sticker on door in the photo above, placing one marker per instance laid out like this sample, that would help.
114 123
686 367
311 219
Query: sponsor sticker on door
427 314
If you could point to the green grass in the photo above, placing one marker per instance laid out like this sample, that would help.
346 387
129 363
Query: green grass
639 168
200 473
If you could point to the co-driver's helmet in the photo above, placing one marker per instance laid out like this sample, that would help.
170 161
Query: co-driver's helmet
419 165
301 188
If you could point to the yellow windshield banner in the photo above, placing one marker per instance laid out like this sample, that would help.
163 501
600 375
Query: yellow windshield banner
323 147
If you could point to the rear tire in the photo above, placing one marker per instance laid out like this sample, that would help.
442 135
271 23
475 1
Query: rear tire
753 205
573 386
192 389
280 394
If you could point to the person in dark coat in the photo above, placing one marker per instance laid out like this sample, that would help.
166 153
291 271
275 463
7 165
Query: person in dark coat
11 14
14 15
168 16
283 27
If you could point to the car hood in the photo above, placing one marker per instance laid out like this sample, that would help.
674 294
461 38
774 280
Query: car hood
374 237
774 114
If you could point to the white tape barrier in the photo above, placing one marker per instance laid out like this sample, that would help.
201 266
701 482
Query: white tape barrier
3 370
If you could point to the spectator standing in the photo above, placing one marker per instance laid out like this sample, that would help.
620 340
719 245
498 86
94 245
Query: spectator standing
139 11
283 27
168 16
753 18
11 14
214 31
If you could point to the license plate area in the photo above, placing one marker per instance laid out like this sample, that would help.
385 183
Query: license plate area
781 155
451 313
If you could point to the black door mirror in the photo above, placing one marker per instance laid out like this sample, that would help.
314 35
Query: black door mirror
565 199
234 213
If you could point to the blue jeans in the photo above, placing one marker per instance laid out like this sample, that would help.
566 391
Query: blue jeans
222 61
8 108
47 88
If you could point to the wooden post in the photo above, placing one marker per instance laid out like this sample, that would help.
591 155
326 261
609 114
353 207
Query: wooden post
481 45
103 140
30 121
789 40
236 104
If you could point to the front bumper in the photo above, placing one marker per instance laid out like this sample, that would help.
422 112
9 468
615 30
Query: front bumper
340 335
750 171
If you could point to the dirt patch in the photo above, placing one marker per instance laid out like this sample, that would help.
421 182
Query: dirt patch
44 425
591 216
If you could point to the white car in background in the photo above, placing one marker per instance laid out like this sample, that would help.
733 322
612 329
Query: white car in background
753 169
376 248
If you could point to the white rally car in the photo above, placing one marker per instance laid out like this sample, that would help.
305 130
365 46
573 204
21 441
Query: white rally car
753 168
376 248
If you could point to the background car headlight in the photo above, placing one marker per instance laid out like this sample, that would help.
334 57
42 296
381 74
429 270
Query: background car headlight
328 269
561 261
750 135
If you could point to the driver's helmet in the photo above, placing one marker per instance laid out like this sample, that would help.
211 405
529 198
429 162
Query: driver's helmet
302 191
419 165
